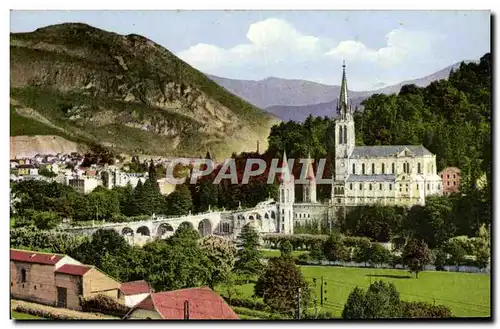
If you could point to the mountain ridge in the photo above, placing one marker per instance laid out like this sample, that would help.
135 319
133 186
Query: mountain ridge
284 97
125 92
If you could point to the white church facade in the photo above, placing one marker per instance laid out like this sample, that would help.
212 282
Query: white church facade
390 175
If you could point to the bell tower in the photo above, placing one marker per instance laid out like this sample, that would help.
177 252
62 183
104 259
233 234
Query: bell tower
344 130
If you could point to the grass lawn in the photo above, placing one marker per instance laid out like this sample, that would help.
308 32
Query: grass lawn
466 294
24 316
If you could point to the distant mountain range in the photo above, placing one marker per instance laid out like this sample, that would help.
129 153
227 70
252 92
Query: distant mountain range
296 99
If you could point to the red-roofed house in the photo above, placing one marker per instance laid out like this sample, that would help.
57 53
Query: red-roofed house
135 292
203 304
55 279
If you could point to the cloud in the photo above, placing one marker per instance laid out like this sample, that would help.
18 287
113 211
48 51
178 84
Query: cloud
401 45
276 48
270 42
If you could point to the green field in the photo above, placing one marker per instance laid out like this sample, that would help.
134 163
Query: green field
466 294
24 316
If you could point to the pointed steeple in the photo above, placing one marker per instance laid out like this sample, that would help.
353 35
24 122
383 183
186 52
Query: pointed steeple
343 105
310 169
286 176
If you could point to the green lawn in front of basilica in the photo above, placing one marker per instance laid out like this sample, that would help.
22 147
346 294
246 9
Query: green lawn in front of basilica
466 294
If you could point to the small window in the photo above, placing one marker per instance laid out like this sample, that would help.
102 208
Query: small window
363 169
448 183
417 187
350 186
23 275
340 135
354 169
380 186
454 176
370 187
419 168
383 168
448 176
360 186
454 183
393 168
390 187
428 187
373 169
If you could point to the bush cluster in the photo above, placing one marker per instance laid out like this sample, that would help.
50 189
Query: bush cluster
103 304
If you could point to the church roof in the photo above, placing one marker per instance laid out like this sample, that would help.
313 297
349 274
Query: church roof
371 178
384 151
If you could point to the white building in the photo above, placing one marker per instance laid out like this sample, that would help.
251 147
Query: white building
84 184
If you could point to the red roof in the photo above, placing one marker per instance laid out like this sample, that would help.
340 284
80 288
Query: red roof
203 304
70 269
34 257
135 287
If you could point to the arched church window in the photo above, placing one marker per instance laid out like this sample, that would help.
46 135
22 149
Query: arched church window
345 134
340 134
393 168
383 168
363 169
373 169
354 169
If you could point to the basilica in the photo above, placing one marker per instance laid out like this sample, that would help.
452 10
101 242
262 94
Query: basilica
402 175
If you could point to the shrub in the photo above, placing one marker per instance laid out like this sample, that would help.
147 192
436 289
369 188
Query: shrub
253 304
424 310
103 304
45 313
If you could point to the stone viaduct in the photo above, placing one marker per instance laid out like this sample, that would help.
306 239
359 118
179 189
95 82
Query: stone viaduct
223 223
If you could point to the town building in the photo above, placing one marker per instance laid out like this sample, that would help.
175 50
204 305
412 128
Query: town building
192 303
451 180
56 280
84 184
135 291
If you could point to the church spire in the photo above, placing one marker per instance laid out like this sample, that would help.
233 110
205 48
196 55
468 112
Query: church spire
343 106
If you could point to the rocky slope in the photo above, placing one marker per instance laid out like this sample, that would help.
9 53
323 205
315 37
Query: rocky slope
124 92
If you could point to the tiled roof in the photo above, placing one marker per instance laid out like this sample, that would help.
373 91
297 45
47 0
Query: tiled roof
203 304
135 287
71 269
34 257
371 178
387 151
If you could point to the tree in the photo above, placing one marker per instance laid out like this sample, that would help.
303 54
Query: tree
482 247
248 254
279 285
416 255
102 242
176 265
46 172
180 202
379 255
380 301
317 251
286 248
334 249
221 255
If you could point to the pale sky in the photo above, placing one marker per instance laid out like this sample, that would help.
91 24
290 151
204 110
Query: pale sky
379 47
